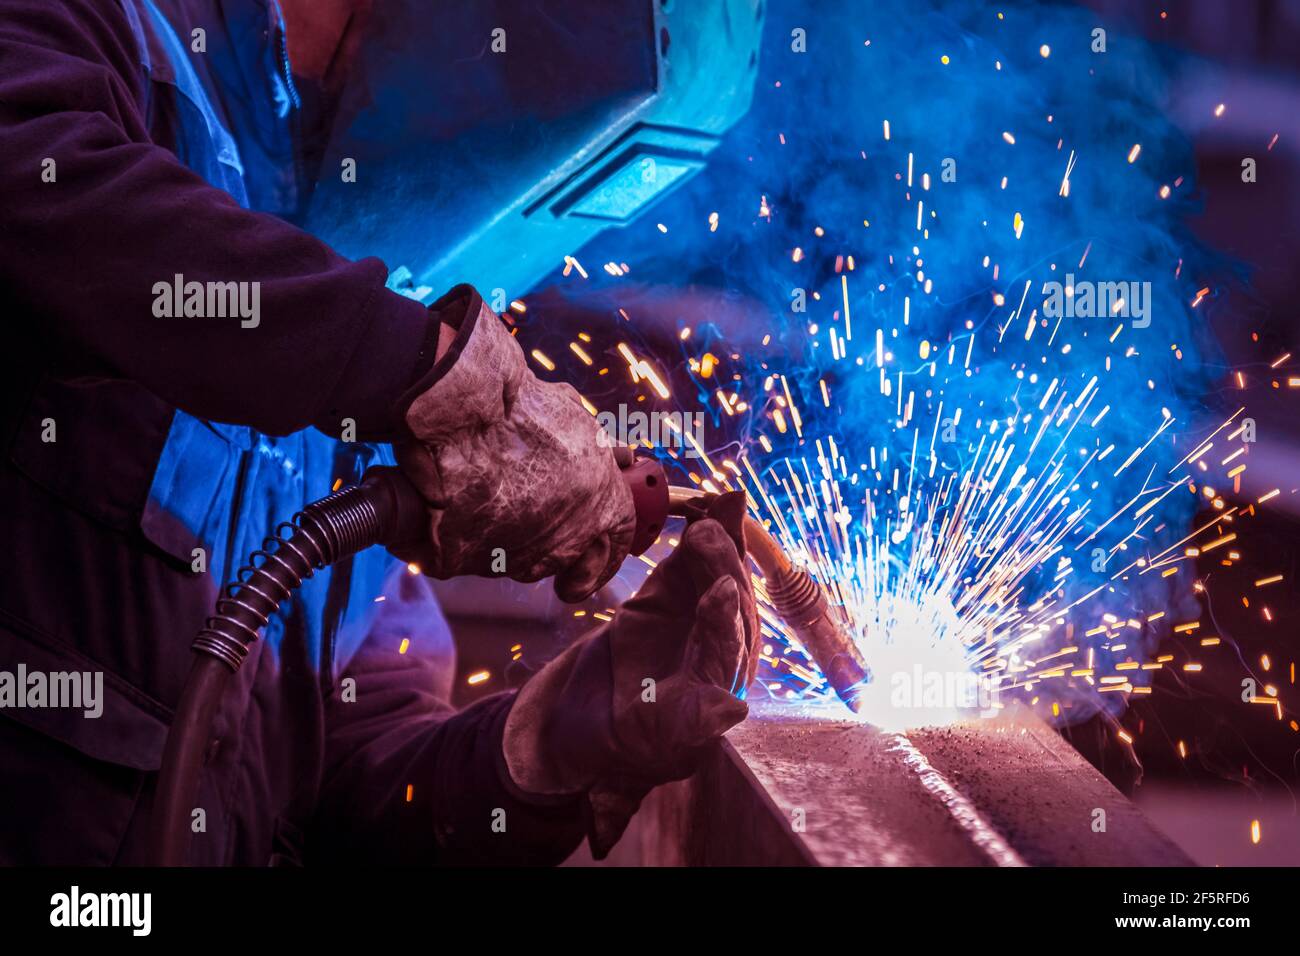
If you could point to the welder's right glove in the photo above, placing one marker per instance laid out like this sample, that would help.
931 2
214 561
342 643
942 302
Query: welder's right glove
518 477
637 702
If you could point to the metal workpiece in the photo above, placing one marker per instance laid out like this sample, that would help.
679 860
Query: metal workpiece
795 785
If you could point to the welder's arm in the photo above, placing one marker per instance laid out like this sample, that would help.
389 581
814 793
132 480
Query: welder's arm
95 215
410 781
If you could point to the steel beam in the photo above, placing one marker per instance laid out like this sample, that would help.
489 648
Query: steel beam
791 786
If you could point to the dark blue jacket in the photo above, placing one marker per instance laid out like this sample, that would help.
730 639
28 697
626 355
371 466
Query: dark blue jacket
127 159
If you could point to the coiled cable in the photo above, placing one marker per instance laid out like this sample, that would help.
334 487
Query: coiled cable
381 510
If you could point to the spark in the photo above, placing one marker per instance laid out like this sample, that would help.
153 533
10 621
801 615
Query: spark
1011 518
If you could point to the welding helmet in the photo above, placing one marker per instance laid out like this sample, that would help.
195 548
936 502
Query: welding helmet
482 142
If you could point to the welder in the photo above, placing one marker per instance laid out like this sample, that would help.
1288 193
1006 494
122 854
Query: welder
150 144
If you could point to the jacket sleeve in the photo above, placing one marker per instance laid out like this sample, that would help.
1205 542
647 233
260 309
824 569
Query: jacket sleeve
407 779
95 215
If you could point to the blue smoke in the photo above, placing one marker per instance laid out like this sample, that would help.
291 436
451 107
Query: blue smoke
866 64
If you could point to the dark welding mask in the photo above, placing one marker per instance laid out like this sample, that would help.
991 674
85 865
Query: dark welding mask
482 142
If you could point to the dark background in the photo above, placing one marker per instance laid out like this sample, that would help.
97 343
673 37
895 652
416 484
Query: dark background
1242 761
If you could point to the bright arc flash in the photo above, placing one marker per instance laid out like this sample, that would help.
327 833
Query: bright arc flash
919 657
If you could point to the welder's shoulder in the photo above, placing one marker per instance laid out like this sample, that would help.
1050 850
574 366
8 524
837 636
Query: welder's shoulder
38 35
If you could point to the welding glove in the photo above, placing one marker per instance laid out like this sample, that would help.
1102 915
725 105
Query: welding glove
518 478
637 702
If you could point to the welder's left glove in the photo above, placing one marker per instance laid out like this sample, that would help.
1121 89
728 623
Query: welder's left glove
518 476
636 703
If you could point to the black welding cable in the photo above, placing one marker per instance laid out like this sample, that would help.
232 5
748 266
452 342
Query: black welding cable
182 763
383 509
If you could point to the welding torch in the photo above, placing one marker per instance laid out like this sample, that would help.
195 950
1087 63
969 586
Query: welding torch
385 508
793 593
